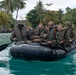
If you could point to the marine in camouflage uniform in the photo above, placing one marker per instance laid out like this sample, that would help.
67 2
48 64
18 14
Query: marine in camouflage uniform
58 34
39 33
69 35
50 35
20 33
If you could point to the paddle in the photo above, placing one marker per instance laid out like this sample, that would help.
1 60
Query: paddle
2 47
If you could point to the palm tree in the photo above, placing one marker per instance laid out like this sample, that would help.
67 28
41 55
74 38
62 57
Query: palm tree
68 9
7 5
11 5
19 4
60 14
39 9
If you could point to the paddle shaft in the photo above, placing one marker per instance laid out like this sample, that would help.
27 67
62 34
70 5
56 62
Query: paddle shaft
2 47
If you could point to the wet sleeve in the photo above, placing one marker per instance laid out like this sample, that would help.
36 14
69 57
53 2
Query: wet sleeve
12 36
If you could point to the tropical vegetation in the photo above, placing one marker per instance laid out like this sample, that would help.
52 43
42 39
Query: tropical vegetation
39 14
35 16
9 6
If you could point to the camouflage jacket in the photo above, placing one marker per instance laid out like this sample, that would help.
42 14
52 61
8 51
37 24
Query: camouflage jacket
40 32
69 34
50 35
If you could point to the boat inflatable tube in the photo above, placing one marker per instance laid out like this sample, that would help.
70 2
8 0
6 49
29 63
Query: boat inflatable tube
36 51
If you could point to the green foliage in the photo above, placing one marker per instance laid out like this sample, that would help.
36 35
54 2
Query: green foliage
5 19
19 4
7 5
39 9
10 6
32 16
60 14
50 16
39 14
70 15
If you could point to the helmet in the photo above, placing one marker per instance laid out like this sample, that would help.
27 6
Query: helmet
68 23
20 26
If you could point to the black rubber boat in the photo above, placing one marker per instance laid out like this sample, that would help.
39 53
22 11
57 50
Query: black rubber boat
36 51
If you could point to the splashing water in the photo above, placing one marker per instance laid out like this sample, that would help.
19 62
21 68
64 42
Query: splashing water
4 54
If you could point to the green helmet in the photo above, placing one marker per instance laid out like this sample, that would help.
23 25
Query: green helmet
68 23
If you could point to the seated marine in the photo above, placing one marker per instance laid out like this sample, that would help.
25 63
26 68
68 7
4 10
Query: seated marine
20 33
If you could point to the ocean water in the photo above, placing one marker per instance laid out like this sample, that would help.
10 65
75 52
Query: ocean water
10 66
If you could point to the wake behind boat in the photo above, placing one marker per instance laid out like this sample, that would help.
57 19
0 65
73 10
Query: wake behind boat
35 51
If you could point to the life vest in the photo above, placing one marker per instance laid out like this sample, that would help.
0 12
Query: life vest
57 36
51 34
19 33
55 30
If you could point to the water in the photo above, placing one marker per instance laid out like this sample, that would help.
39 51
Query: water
9 66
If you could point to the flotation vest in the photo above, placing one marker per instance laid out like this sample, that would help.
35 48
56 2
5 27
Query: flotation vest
51 34
55 33
19 33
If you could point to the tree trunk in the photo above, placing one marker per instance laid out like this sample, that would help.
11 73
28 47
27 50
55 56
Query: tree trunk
40 17
17 14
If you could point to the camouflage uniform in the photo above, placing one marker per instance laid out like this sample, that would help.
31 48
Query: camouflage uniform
69 33
58 36
50 35
19 33
40 33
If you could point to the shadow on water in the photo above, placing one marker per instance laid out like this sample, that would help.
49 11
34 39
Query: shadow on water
65 66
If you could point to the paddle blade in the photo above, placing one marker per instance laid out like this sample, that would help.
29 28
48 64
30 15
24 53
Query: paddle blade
2 47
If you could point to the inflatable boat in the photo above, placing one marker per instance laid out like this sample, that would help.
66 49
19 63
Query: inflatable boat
35 51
